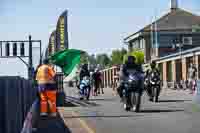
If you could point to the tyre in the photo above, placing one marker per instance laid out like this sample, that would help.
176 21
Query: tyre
126 104
157 91
136 101
128 108
88 93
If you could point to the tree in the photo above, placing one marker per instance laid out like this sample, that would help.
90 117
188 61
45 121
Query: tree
139 55
103 60
92 59
117 56
84 58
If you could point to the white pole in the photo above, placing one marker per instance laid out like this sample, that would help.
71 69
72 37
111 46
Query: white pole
156 34
152 42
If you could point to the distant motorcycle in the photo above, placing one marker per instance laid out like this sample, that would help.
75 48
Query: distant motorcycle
155 86
85 88
132 93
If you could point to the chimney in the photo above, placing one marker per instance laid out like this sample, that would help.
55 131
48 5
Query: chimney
173 4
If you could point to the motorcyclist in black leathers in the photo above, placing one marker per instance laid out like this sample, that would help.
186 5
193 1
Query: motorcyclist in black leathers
130 64
155 70
83 72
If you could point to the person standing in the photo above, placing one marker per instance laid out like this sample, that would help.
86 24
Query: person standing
47 89
191 76
97 82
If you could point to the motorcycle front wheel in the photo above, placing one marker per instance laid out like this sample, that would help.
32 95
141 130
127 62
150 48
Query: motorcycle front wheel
136 101
156 93
88 93
126 102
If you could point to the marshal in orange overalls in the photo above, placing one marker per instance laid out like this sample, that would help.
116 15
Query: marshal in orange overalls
47 88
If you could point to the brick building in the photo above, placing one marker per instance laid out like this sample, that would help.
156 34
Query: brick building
173 40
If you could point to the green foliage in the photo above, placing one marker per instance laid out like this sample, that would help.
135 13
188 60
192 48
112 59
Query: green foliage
139 55
92 59
117 56
103 60
84 58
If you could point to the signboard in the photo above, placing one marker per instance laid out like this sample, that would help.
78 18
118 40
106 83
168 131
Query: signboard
52 43
62 32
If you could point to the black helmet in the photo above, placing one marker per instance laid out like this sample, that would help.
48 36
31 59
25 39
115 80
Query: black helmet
46 61
85 66
131 59
153 64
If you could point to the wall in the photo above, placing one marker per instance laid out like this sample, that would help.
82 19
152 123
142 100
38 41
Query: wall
16 97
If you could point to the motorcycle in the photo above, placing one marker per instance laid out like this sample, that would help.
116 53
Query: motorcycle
85 88
155 87
132 93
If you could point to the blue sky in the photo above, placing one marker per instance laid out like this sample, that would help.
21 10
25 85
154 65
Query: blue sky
96 26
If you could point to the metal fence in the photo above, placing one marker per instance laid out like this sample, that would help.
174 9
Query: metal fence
16 96
59 81
60 89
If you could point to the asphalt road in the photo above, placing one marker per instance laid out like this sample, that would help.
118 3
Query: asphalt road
51 125
174 113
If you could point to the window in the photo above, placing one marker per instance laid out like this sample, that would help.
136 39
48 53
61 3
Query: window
187 40
142 44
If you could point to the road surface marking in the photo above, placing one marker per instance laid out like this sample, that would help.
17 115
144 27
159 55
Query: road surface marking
83 123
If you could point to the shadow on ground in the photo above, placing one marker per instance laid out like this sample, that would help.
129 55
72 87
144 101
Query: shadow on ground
68 104
52 125
161 111
166 101
105 116
83 103
103 99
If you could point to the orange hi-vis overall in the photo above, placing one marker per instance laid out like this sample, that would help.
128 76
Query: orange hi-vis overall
47 88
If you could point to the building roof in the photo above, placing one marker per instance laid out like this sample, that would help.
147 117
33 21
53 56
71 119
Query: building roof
177 19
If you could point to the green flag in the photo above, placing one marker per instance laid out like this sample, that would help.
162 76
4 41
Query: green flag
67 59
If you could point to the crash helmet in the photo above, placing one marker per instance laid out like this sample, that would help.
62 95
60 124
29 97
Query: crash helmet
153 64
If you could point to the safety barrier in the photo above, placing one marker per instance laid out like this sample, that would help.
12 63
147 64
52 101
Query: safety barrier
16 96
60 89
108 76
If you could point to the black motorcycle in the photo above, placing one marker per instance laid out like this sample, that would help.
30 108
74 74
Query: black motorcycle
132 93
155 86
